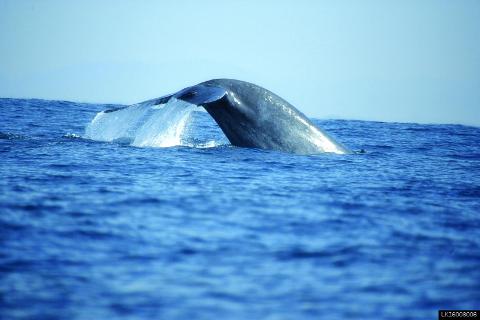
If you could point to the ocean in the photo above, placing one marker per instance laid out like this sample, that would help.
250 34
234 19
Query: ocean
104 220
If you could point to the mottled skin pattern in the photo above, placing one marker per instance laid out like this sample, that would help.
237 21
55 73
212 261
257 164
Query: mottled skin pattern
251 116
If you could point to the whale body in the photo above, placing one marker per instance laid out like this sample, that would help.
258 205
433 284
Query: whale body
253 117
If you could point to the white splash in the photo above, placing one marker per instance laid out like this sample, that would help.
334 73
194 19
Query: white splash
206 145
143 125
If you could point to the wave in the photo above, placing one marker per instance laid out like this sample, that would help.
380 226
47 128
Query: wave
11 136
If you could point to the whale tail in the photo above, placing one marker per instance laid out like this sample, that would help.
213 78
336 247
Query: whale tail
201 95
251 116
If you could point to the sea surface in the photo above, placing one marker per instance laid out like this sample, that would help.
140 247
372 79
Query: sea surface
163 219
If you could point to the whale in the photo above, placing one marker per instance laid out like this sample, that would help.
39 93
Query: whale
253 117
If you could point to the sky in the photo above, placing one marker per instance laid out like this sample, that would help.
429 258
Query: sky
401 61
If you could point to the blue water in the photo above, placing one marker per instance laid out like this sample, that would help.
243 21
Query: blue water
204 230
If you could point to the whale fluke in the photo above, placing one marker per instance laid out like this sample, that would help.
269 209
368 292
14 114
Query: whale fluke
253 117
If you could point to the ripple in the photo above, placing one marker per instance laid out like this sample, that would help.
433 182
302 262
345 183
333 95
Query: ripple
11 136
96 230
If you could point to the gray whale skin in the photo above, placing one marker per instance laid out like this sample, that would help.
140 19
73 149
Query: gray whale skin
253 117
